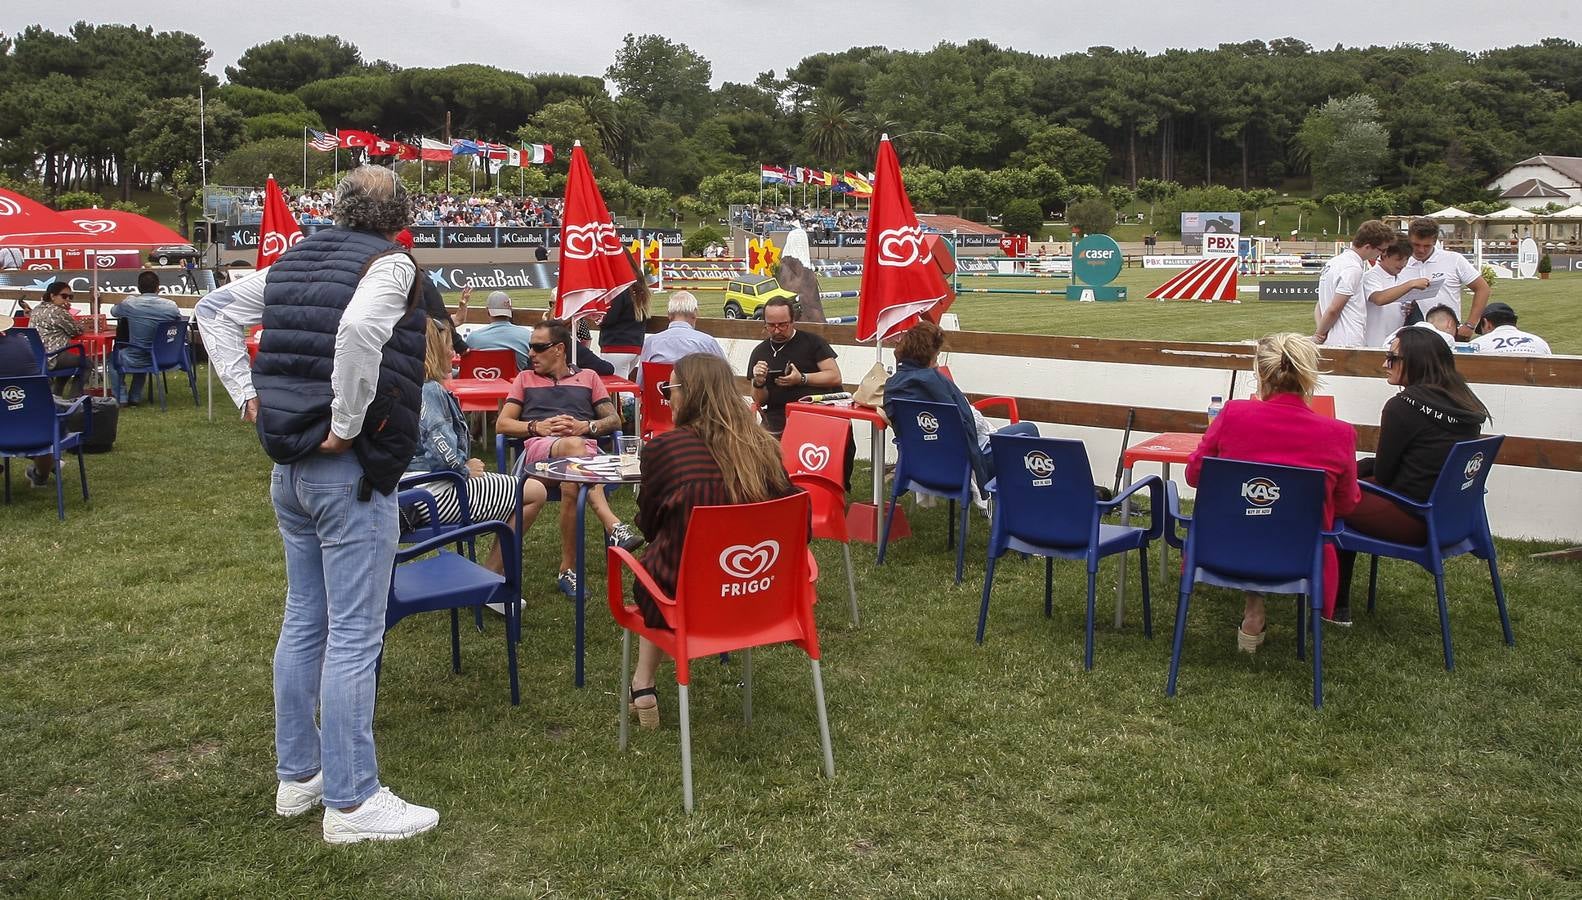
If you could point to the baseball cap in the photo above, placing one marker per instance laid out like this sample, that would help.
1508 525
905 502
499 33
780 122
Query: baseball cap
1499 311
499 304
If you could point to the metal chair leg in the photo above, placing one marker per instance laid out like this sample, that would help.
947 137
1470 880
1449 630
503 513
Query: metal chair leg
686 750
455 640
823 720
1316 622
851 584
1049 586
625 692
961 548
747 686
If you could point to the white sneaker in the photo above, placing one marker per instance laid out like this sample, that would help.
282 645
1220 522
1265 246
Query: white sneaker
293 798
382 817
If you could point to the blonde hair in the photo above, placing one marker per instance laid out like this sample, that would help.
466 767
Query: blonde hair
437 357
640 295
1287 363
710 405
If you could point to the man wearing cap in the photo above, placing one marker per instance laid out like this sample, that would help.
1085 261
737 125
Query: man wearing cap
502 334
1497 333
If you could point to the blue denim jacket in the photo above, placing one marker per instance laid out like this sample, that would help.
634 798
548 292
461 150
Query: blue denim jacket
443 438
914 382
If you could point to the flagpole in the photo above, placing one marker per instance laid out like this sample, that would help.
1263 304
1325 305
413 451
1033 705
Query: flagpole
337 156
304 157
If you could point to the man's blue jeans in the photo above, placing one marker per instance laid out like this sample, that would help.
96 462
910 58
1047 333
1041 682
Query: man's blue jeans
338 555
132 357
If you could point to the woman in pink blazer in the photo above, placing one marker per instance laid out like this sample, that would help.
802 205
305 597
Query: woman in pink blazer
1279 428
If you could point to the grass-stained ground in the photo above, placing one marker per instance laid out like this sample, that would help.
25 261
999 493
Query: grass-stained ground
136 724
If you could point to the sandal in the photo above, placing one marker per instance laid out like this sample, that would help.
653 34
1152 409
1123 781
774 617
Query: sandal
1249 643
647 716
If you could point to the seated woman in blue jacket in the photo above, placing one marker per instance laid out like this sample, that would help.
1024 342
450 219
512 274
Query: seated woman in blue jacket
917 378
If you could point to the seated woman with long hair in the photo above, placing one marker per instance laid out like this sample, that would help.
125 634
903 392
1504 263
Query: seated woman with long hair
1434 411
716 455
1279 428
442 442
917 377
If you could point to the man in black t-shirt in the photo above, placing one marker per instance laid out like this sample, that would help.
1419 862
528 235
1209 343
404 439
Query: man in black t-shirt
790 365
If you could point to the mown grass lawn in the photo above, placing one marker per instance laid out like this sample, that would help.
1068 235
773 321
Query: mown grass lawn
136 726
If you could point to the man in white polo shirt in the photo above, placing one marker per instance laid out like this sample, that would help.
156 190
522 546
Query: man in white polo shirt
1497 333
1384 289
1452 271
1341 313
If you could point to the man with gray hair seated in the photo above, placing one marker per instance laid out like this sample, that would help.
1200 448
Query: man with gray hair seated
681 336
336 391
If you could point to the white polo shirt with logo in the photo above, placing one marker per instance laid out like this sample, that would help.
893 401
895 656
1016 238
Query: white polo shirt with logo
1456 271
1343 275
1382 321
1507 339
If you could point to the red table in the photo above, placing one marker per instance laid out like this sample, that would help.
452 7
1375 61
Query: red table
1167 448
617 385
862 519
97 343
479 394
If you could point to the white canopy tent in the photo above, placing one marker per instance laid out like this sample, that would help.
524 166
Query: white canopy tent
1564 226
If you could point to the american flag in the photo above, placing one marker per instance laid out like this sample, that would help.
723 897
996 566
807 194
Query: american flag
322 142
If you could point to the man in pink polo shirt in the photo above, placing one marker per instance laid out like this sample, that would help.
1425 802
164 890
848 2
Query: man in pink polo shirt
559 411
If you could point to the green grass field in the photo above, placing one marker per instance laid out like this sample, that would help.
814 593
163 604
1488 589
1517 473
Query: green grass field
135 716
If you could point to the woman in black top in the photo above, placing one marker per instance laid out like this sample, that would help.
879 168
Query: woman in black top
1434 411
715 456
621 333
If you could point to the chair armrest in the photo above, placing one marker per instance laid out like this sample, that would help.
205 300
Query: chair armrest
812 568
500 530
1393 496
1009 403
615 589
1156 503
1173 502
79 348
502 446
458 484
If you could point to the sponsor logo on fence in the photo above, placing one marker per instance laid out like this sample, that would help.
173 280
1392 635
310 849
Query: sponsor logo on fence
1260 494
747 564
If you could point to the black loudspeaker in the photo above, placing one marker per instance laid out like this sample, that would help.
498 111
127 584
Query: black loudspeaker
200 233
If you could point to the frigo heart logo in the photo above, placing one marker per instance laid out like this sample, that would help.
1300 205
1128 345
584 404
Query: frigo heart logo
9 207
276 243
813 457
903 246
486 373
587 241
743 561
96 226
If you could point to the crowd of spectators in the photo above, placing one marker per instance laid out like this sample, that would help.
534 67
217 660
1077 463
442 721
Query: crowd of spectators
782 218
481 210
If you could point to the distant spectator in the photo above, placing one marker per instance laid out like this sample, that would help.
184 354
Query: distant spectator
144 314
1497 333
1341 312
625 323
1452 271
681 336
1444 319
1384 289
56 328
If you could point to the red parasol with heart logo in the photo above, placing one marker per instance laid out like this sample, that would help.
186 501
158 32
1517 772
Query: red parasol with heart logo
593 264
279 231
900 278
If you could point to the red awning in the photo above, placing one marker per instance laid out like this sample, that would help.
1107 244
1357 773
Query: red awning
126 227
27 223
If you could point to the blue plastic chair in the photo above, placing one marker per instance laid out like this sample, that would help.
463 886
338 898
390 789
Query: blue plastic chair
1255 527
31 425
1457 523
36 342
449 580
168 351
934 459
1044 506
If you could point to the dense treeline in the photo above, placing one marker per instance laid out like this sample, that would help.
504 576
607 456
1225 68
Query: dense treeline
113 105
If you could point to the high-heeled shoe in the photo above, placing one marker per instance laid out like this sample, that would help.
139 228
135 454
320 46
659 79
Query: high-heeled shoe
647 716
1249 643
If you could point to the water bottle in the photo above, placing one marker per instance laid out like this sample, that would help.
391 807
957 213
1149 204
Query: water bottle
1215 404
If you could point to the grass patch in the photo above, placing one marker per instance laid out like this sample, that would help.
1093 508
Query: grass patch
135 715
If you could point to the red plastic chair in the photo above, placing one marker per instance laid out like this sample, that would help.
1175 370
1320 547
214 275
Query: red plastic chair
811 449
656 412
988 403
488 364
1323 404
746 580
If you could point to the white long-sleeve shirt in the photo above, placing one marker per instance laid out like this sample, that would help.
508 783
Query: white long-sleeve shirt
365 327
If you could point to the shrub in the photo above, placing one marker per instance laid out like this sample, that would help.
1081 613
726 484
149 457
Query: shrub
1545 264
77 200
1022 217
1093 216
698 240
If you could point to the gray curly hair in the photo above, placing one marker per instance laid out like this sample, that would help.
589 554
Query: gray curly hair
372 198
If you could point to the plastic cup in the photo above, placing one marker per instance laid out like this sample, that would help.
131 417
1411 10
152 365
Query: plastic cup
630 445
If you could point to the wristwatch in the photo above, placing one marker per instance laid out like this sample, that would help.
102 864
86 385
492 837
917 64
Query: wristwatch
593 428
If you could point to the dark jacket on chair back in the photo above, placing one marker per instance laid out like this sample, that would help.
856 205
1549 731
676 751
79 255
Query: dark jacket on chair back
307 291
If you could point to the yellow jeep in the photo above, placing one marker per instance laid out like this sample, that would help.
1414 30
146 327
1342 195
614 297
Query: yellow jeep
745 297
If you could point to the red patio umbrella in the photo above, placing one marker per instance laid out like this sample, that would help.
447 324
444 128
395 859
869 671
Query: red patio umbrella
593 264
127 228
900 279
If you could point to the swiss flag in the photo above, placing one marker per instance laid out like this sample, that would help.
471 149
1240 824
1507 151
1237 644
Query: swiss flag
279 230
900 278
358 140
593 264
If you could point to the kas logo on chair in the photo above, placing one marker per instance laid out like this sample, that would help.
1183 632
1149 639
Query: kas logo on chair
1260 494
747 564
1470 472
13 396
1041 467
929 424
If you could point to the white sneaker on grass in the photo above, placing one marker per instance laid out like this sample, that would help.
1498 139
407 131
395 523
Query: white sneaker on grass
382 817
293 798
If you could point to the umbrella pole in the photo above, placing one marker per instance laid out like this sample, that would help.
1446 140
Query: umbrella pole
876 450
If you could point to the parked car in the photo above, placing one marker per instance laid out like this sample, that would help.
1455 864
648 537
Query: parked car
174 255
745 297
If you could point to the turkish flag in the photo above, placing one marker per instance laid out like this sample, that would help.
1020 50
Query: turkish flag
279 231
358 140
593 264
900 279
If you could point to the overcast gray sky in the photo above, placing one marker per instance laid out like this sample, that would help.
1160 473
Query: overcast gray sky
742 39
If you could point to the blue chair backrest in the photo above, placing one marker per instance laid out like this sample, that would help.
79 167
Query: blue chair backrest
1045 489
30 337
934 444
1457 497
27 413
1257 520
170 346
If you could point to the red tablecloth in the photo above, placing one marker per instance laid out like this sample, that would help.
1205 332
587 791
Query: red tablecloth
479 394
1170 447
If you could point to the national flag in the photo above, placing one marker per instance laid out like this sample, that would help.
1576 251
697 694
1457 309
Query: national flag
279 231
774 174
594 267
543 154
859 185
434 151
463 147
513 157
323 141
492 151
357 140
405 151
900 280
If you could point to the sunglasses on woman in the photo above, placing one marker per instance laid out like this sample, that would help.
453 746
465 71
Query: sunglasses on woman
665 387
1391 359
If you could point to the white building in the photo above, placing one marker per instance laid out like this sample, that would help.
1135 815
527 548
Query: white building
1541 180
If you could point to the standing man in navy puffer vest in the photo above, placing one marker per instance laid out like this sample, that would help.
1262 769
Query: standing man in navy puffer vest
335 390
